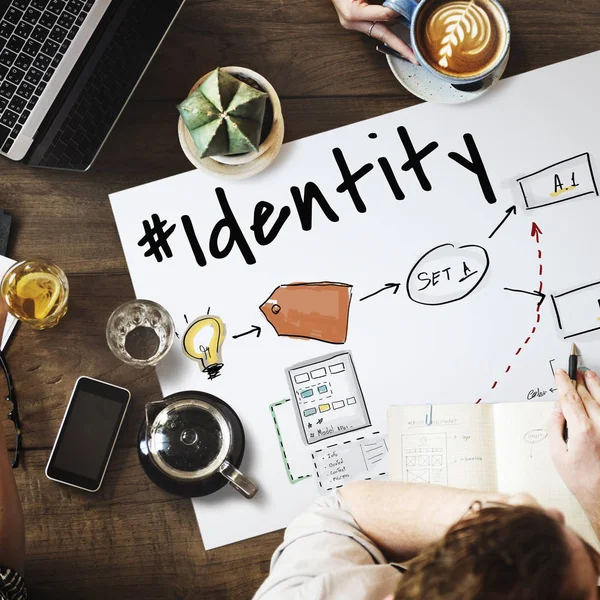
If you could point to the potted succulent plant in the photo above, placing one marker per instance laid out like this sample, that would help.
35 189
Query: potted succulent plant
231 123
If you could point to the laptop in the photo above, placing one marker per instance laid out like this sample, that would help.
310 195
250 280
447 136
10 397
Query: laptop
67 70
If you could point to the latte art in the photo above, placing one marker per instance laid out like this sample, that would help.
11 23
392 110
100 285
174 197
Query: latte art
461 38
467 28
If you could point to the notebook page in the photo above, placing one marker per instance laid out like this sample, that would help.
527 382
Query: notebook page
524 464
456 450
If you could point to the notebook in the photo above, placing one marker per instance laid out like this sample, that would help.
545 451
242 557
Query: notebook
491 447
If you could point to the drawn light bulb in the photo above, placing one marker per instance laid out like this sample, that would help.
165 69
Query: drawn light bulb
202 343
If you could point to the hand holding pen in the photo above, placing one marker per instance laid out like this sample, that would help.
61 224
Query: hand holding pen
578 462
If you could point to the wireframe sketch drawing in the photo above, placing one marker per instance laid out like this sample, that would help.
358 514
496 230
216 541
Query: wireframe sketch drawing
328 397
562 181
317 311
364 458
425 458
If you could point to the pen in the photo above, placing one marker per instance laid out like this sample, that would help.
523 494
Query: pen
573 376
573 364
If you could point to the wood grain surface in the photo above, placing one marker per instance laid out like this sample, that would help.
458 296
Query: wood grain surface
131 540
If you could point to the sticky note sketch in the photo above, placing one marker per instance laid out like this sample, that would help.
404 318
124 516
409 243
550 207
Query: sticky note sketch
327 397
562 181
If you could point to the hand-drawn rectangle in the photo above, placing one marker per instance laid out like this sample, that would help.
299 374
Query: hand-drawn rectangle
565 180
577 310
417 476
341 390
356 459
302 378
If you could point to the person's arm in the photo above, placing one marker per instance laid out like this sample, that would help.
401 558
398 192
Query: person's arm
578 460
12 530
324 554
403 518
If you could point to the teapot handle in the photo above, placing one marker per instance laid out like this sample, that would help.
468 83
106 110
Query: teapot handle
238 480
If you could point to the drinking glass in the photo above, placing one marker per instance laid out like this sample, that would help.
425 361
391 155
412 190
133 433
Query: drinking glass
140 333
36 292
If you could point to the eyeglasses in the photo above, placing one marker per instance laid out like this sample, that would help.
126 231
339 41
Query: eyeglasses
476 507
13 415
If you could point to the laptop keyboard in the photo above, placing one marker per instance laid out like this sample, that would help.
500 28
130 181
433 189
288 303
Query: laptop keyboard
34 36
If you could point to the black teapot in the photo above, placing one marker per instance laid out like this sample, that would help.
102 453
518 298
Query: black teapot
192 444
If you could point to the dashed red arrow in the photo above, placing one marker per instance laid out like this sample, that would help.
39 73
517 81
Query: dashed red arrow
535 232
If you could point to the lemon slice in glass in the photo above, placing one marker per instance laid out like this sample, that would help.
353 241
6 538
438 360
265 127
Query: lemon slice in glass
43 289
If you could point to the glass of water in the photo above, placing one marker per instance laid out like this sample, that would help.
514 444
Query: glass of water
140 333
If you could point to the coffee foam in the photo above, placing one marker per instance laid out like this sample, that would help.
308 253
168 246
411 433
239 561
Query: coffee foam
461 38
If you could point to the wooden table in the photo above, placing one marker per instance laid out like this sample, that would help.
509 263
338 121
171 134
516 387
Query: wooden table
131 540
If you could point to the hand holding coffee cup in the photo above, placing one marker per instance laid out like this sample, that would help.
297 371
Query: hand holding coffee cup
372 20
463 42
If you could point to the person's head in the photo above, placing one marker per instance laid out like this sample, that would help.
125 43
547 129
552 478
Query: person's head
505 552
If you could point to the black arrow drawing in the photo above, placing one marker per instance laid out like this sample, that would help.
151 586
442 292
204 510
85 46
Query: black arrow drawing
255 329
552 389
540 295
388 286
511 211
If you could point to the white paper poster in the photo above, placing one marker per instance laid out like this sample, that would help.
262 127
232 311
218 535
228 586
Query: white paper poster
436 254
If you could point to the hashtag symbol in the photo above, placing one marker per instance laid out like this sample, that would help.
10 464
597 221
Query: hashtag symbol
156 238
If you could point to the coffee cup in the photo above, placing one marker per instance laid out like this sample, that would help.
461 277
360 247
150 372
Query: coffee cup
462 42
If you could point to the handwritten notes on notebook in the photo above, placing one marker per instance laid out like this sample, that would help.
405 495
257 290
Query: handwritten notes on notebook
491 447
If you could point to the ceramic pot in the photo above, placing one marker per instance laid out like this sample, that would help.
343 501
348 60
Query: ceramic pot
240 166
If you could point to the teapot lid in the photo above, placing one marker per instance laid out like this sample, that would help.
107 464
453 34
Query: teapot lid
189 439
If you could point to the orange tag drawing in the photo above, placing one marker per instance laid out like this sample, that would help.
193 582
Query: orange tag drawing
316 311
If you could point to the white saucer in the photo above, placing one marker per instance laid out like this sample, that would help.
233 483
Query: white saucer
420 82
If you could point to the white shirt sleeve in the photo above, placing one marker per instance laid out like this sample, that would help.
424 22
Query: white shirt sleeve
326 556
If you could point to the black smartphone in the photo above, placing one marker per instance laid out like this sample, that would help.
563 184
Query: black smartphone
88 433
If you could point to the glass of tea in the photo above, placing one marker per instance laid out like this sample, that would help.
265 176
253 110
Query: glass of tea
36 293
140 333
